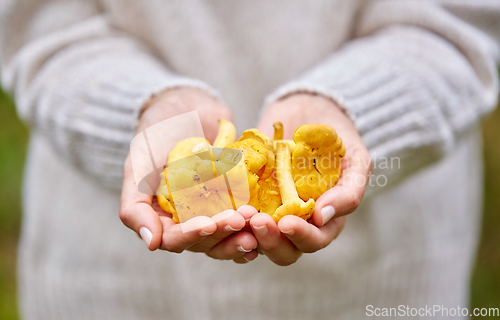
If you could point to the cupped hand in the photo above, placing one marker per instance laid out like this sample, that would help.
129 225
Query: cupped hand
284 243
140 212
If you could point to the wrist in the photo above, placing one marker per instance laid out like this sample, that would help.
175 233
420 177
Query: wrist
175 96
176 101
304 106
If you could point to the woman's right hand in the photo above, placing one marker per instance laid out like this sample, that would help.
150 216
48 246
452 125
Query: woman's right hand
140 212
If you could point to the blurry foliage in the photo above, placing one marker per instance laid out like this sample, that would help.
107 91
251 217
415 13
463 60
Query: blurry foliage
13 142
485 291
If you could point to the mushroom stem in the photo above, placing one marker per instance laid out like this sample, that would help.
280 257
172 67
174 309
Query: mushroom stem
292 204
284 173
278 130
226 135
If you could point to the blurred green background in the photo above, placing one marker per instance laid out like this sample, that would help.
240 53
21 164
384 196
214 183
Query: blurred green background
485 286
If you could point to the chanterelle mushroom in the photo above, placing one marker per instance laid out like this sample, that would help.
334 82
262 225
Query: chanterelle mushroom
184 148
269 195
197 192
180 157
316 159
254 157
278 177
278 136
292 204
226 134
164 198
256 134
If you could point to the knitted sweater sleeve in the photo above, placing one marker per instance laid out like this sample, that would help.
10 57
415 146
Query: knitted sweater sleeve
79 81
416 76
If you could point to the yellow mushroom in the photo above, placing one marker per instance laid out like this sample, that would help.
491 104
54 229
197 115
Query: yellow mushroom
292 204
283 177
184 148
254 156
196 192
278 136
181 160
316 159
269 195
256 134
164 198
226 135
278 130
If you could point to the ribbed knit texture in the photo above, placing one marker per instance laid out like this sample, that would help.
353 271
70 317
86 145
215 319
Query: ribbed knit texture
414 76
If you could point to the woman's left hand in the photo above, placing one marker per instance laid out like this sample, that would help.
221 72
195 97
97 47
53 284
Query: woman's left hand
284 243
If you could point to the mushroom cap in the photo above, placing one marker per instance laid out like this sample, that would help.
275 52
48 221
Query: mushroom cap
316 159
254 156
184 148
300 209
256 134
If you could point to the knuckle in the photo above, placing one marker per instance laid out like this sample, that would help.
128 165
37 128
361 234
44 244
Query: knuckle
198 248
216 254
283 263
124 216
354 200
335 236
302 237
270 247
313 249
170 247
216 257
287 261
211 255
327 243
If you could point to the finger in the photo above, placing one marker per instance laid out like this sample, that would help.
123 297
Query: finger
247 212
234 246
346 196
177 237
136 211
228 222
247 257
271 241
307 237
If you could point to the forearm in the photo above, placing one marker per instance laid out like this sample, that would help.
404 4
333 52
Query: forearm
410 92
83 86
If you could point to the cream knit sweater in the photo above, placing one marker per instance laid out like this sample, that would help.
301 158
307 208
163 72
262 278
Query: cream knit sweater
415 76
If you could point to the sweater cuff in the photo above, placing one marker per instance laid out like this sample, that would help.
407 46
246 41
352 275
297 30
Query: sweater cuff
88 97
378 89
406 103
175 82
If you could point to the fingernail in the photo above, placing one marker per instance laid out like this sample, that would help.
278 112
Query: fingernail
249 260
228 228
240 249
146 235
261 231
289 232
204 233
327 213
